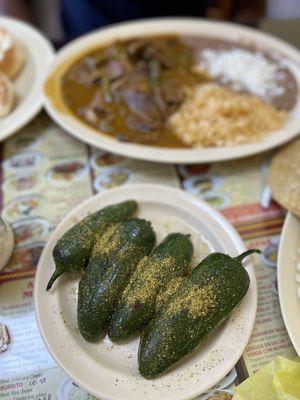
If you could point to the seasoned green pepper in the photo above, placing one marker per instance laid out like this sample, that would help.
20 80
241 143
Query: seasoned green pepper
165 295
108 274
201 302
72 251
101 245
169 260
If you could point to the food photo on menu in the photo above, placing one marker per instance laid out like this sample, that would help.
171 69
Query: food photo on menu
149 200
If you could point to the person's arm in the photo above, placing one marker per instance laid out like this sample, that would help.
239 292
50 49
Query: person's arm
17 9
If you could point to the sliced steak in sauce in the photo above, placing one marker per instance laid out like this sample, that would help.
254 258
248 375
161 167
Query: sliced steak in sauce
83 74
117 85
114 69
166 52
144 115
132 87
142 104
163 51
136 79
139 124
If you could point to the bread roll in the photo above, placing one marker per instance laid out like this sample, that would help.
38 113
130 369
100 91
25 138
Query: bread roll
11 55
6 95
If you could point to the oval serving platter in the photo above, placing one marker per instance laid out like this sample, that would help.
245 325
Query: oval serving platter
65 58
110 371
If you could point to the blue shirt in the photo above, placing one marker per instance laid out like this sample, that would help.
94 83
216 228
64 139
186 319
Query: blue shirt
81 16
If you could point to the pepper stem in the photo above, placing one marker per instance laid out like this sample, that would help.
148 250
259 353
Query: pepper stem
246 253
53 278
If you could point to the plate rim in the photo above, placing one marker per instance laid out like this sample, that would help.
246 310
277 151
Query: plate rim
238 244
37 105
290 218
87 134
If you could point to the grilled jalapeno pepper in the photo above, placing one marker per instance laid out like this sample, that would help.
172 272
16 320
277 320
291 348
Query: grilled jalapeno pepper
201 302
72 251
103 281
169 260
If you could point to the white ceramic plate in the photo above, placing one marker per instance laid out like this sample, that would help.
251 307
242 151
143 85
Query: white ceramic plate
28 85
82 131
110 371
288 257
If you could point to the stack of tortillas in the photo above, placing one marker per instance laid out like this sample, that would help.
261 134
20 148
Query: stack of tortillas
284 177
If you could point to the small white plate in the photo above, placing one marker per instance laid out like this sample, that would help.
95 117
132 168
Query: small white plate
28 85
288 289
68 54
110 371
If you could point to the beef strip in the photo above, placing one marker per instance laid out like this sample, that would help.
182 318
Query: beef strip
139 124
162 51
115 69
142 104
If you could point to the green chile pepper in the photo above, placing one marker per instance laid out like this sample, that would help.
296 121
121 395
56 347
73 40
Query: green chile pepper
108 273
202 301
72 251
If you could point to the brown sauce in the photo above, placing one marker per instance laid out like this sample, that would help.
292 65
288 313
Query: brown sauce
129 89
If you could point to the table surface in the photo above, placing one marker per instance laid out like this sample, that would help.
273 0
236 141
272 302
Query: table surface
35 195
